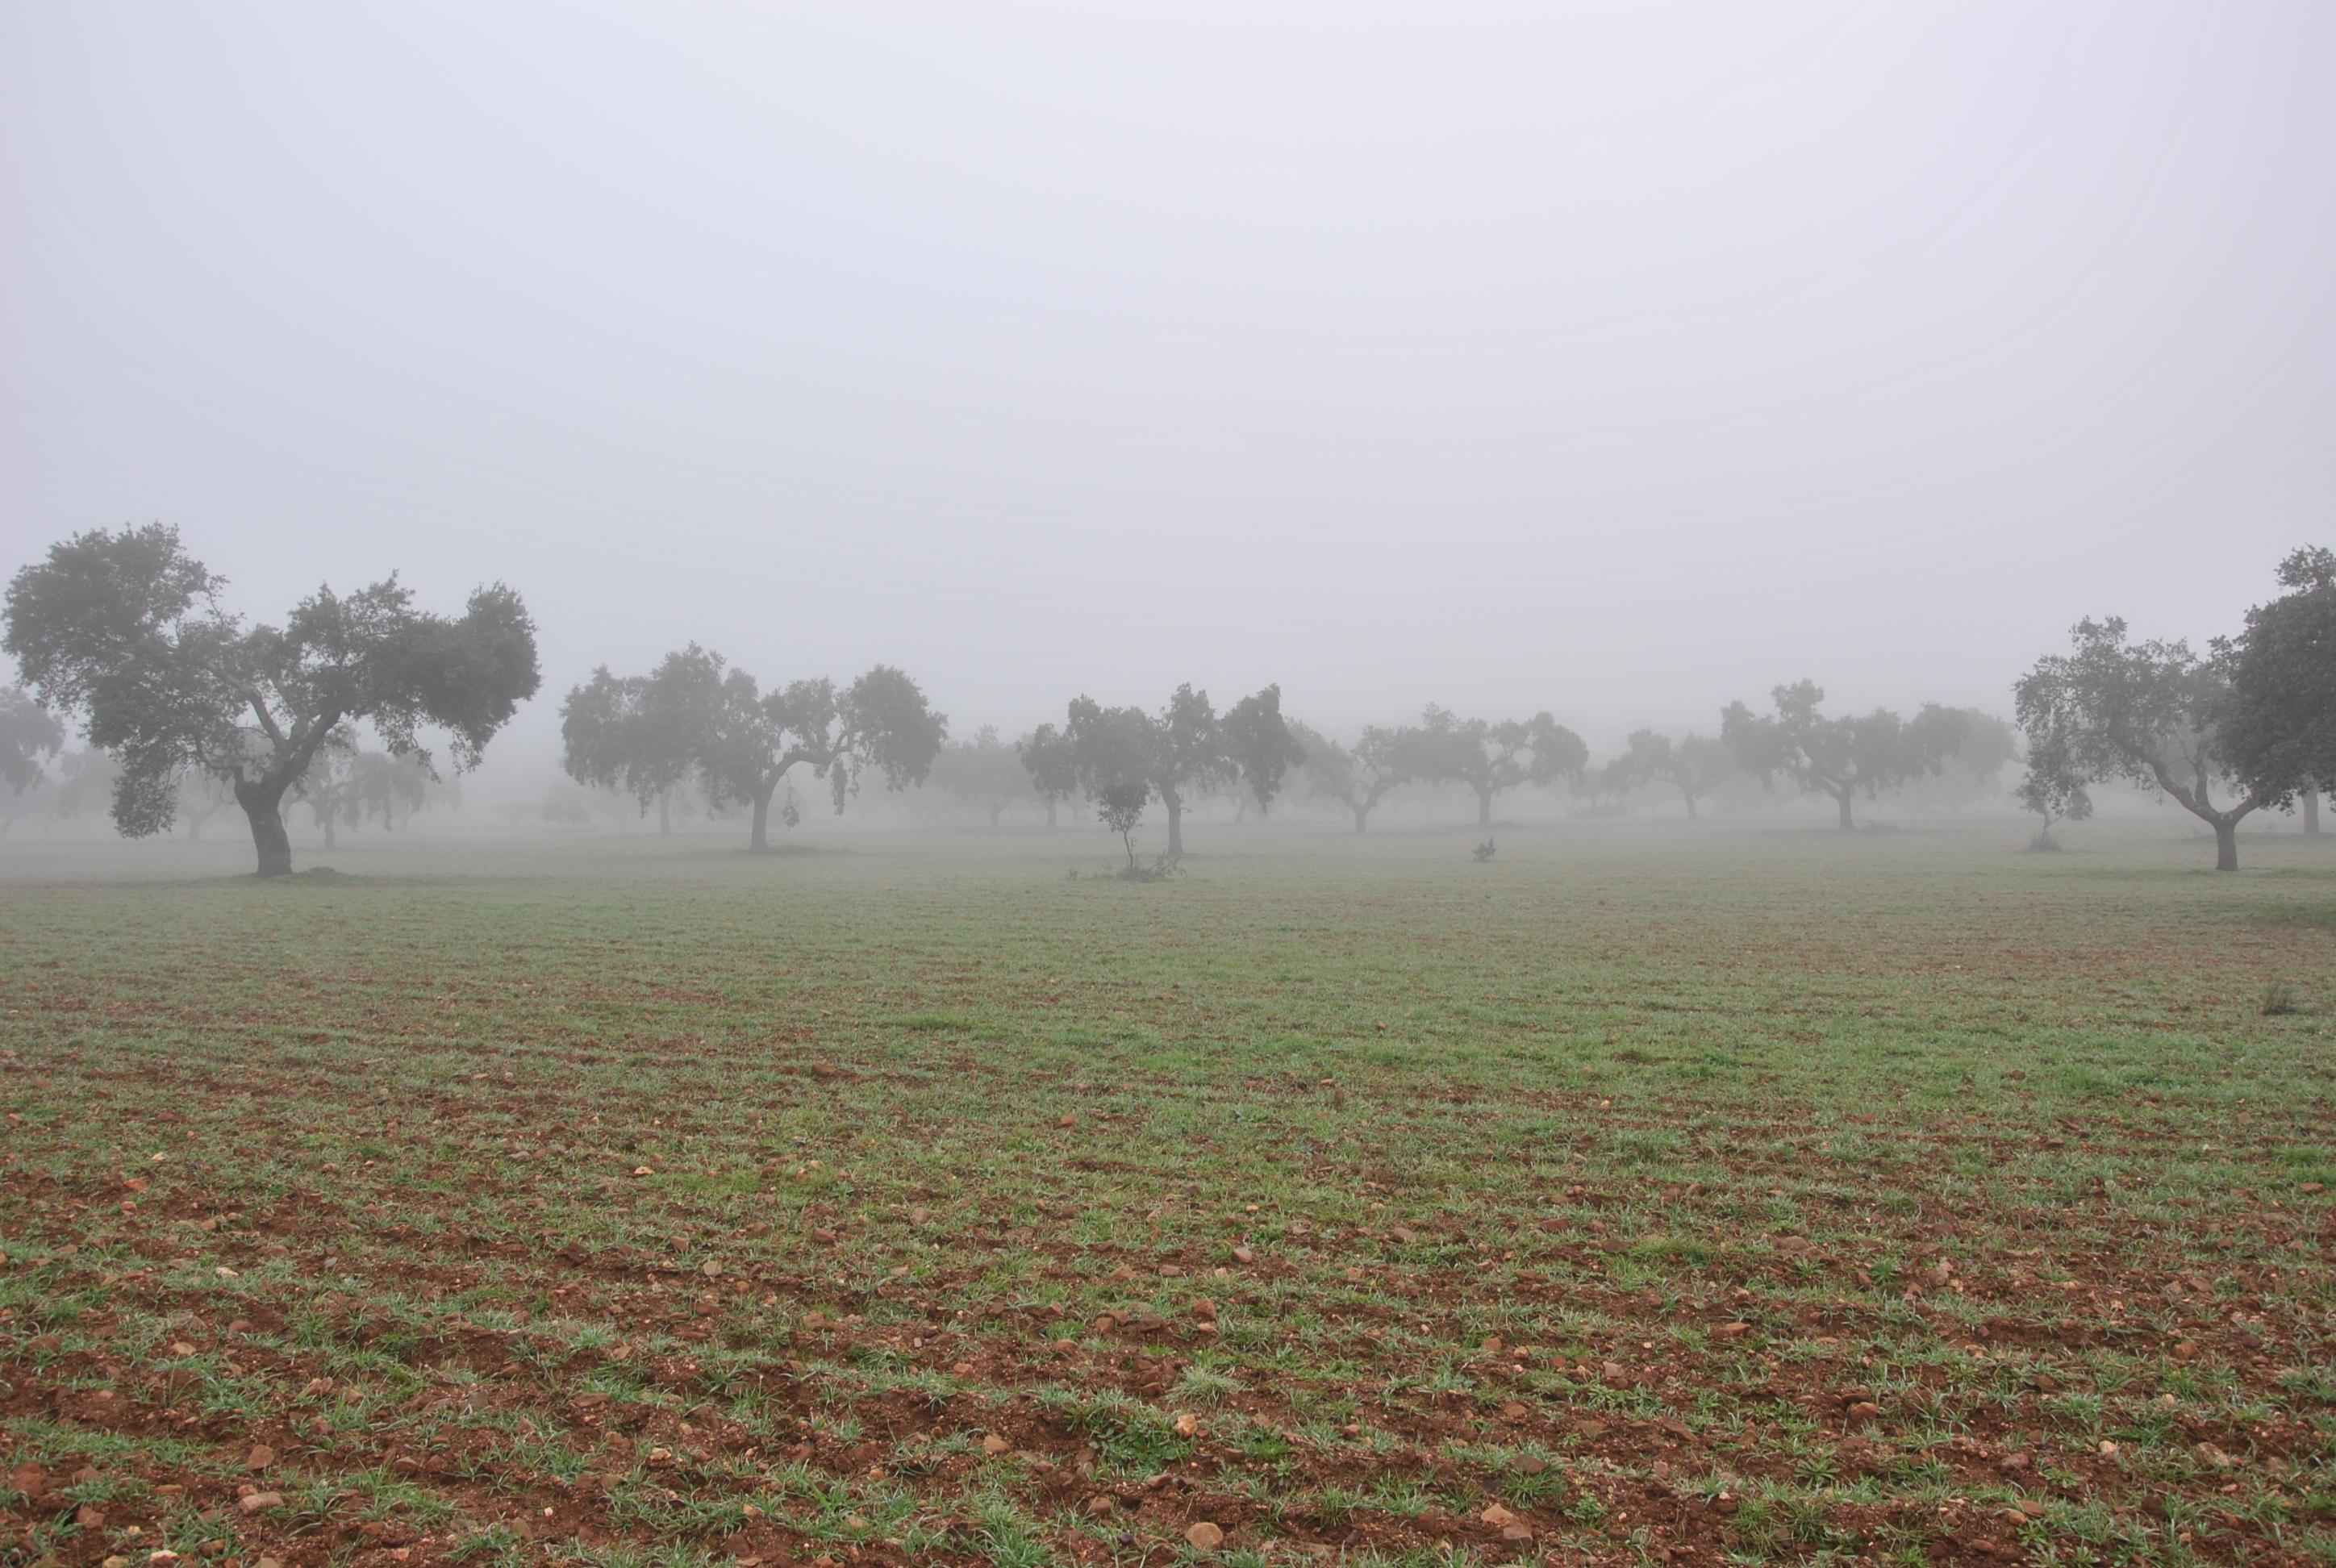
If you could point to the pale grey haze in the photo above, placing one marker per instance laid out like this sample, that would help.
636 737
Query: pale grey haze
1616 360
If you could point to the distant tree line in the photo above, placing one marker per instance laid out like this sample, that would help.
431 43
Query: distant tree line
185 708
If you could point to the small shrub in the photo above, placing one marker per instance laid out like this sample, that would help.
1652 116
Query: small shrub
1482 851
2043 844
2279 1000
1121 807
1160 869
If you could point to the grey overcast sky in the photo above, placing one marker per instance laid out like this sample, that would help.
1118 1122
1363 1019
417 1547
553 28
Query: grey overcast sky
1615 359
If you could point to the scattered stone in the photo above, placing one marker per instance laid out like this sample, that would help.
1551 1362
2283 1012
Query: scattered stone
994 1443
259 1500
1204 1536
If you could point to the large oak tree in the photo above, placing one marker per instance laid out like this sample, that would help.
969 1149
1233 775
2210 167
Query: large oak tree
2153 714
127 630
2281 727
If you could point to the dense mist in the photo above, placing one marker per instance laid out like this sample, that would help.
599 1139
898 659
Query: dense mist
1620 364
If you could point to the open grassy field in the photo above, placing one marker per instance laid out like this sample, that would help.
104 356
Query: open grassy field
1648 1195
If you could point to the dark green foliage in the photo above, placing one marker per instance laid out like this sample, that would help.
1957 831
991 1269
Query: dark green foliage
1121 807
2281 729
127 630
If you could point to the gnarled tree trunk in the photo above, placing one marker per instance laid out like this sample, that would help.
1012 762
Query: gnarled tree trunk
2226 841
265 807
2311 810
1176 804
664 812
1841 798
1483 804
1362 814
1687 795
759 839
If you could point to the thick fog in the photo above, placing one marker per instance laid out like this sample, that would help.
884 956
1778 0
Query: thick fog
1612 360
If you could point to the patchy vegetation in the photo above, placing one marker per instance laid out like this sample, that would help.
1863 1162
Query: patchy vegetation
1785 1197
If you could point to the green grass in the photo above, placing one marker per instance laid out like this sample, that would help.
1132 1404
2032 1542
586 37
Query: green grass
1744 1194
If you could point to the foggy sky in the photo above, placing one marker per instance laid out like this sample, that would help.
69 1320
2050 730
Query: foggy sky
1616 360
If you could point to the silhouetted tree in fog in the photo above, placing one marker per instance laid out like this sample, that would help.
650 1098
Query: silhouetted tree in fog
2151 713
2052 787
1857 754
328 789
1121 807
1357 779
742 741
126 629
1052 762
29 735
1183 750
984 772
1492 757
1259 745
1695 767
626 733
345 787
200 797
